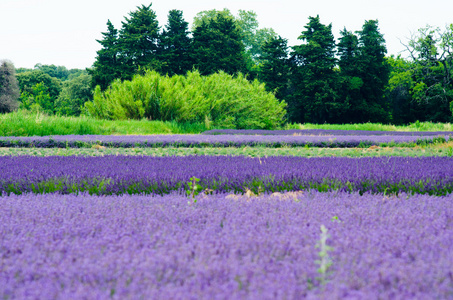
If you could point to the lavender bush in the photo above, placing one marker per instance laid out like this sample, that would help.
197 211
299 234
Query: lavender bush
225 247
160 175
176 140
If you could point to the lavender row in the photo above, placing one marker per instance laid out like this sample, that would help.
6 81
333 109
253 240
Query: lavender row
220 174
326 132
216 140
226 247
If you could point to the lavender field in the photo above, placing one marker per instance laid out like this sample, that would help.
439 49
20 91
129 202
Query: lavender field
209 226
291 138
226 247
220 174
326 132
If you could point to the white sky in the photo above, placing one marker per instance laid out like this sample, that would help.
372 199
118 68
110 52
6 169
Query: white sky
64 33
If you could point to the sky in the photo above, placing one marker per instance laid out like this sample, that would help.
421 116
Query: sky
64 33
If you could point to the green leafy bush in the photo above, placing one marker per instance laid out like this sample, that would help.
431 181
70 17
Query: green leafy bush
218 99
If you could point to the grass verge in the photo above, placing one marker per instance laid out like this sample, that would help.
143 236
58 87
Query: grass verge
23 123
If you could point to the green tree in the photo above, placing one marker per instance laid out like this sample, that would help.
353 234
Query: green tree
73 96
431 50
38 99
217 45
374 70
421 86
313 77
350 80
274 68
175 45
9 89
403 108
39 88
28 80
207 15
364 74
108 64
59 72
252 36
139 37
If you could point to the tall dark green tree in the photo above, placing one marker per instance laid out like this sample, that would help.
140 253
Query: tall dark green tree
314 79
123 53
253 37
365 73
108 64
138 41
348 52
374 70
217 45
9 89
274 68
350 82
175 45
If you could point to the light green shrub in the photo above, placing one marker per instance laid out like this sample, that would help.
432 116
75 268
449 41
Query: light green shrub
220 99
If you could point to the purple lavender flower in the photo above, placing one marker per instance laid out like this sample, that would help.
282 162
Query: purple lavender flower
231 140
160 175
225 247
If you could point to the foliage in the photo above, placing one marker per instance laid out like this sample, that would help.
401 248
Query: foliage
175 46
59 72
364 73
73 96
138 41
125 52
253 37
423 83
274 68
217 46
373 70
107 66
9 88
193 187
38 99
222 99
38 90
314 80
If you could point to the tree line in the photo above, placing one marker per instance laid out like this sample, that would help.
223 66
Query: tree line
351 80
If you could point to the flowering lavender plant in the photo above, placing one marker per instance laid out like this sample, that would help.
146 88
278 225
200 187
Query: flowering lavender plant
225 247
161 175
314 140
